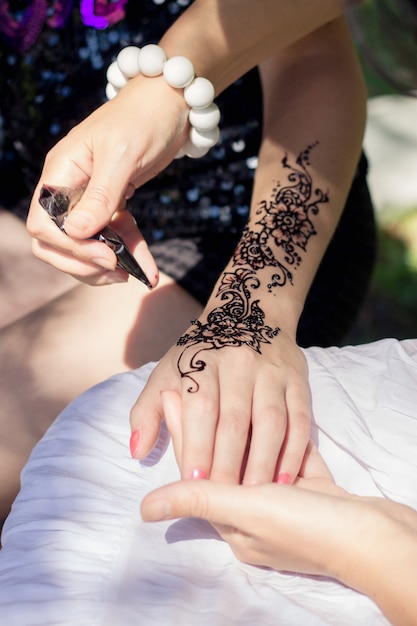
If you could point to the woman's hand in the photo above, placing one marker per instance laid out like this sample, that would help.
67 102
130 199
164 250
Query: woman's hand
312 527
282 527
315 527
116 149
234 414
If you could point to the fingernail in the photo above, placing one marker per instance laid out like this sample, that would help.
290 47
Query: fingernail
198 474
284 479
134 442
105 263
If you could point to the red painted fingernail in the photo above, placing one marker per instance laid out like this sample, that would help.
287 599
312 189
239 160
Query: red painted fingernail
198 474
284 479
134 442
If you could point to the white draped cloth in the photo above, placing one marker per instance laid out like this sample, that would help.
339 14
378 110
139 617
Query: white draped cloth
76 552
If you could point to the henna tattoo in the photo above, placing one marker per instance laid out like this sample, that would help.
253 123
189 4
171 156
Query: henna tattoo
286 217
253 250
237 322
285 223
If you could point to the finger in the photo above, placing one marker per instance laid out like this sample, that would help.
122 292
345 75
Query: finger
298 402
269 423
315 475
313 465
145 420
86 260
200 402
172 407
113 166
125 225
233 426
218 503
49 241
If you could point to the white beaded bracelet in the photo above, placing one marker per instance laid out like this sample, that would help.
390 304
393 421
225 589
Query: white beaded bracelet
179 73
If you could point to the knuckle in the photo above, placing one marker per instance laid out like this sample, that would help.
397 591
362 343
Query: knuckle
235 421
33 226
199 502
299 426
271 415
100 196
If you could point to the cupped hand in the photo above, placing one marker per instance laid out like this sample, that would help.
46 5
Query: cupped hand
120 146
235 414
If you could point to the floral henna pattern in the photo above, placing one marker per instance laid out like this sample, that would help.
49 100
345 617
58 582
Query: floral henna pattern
286 225
237 322
287 216
253 250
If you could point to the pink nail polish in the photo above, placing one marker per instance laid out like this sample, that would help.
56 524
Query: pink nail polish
198 474
284 479
134 442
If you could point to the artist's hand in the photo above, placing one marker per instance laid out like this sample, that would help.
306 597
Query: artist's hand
234 414
266 524
116 149
314 527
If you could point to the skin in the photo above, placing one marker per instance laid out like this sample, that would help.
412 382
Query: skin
268 392
308 69
369 544
37 282
58 337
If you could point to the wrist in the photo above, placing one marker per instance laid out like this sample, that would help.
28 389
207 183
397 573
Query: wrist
178 71
373 547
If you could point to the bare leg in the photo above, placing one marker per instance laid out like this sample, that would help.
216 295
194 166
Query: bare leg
52 355
25 282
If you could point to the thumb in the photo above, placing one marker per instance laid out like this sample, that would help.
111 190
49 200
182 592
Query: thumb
217 503
95 209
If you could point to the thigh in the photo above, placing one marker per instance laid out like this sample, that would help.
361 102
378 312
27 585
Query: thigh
88 334
25 282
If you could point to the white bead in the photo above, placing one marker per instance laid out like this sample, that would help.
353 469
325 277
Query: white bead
151 60
111 92
180 154
200 93
206 139
205 119
192 151
178 72
128 61
115 76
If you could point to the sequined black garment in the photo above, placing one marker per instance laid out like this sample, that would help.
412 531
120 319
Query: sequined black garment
192 214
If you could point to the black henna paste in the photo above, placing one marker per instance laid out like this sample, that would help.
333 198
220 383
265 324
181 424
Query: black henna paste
286 217
236 322
284 225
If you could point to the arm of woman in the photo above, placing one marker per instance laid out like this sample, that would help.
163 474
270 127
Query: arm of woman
130 139
369 544
237 369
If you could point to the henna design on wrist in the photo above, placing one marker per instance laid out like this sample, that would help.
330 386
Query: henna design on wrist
237 322
285 224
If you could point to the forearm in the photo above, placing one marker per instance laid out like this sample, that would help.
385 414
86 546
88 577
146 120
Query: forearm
380 561
393 587
314 114
226 38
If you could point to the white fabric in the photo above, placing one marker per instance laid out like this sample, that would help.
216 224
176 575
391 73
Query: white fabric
75 551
